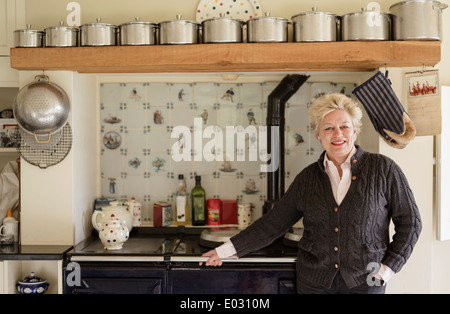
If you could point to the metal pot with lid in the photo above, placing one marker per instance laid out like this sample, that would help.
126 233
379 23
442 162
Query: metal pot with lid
222 30
61 36
315 26
28 38
366 25
417 20
138 33
179 32
98 34
267 29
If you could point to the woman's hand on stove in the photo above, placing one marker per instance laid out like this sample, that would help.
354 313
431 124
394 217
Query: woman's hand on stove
213 260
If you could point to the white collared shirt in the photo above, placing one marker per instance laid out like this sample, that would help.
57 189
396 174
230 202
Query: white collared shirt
339 185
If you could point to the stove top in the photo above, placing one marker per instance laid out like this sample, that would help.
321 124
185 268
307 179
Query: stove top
176 245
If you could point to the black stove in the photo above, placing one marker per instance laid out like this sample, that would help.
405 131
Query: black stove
166 260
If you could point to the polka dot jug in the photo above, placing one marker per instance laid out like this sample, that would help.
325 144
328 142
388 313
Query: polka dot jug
113 234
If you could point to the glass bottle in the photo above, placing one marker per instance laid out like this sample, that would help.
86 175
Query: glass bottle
181 204
198 203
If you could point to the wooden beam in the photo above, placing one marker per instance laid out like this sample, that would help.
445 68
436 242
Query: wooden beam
245 57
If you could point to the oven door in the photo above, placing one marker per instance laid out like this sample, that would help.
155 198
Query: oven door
106 278
188 278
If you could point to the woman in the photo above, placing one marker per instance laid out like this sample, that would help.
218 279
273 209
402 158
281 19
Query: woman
347 200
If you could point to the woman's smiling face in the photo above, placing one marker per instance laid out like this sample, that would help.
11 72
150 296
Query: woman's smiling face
337 135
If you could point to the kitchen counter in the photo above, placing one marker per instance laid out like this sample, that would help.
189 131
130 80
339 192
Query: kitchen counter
33 252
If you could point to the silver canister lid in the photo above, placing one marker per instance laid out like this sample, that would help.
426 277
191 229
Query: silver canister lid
313 12
100 24
267 16
222 17
179 20
62 27
137 21
28 30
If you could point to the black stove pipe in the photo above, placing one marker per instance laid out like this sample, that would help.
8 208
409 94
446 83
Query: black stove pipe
276 117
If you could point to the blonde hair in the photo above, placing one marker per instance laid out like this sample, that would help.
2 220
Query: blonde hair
331 102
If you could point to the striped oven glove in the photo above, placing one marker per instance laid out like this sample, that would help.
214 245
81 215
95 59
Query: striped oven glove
385 111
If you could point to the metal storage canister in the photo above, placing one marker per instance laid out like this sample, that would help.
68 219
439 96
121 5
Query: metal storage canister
417 20
28 38
61 36
267 29
366 25
315 26
222 30
138 33
179 32
98 34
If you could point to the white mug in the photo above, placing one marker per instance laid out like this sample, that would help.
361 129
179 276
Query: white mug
11 227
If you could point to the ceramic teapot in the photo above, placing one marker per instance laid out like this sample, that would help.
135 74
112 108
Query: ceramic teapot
113 233
114 210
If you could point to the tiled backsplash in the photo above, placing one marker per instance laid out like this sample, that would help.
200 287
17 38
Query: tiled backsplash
137 120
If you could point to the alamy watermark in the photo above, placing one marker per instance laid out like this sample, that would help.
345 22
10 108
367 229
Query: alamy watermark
214 149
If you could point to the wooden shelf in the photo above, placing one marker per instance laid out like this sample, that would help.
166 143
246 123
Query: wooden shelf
244 57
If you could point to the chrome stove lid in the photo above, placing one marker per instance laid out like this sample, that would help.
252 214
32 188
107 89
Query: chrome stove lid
214 237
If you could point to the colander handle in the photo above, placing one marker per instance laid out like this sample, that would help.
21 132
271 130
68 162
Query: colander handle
41 77
45 141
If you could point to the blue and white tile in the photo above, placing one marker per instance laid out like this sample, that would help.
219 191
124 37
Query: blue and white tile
228 94
251 94
159 188
205 94
134 93
135 117
135 141
111 94
158 94
181 94
297 117
135 186
136 164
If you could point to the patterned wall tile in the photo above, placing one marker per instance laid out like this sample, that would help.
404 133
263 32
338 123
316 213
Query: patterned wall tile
137 150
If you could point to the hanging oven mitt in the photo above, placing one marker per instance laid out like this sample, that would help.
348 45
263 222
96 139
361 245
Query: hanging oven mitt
385 111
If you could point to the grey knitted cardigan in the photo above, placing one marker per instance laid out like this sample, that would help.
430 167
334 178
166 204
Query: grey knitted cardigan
344 238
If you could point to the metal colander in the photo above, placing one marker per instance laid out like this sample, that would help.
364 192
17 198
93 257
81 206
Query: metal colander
41 107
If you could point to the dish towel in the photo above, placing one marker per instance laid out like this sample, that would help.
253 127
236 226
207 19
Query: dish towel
385 111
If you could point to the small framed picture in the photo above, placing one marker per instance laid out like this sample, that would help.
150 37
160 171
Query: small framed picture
423 85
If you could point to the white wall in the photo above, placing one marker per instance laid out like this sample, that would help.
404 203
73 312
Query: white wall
59 197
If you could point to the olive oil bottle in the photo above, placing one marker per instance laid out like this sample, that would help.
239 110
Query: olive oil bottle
198 196
181 203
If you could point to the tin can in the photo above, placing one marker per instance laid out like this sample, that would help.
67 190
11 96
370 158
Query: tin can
162 214
214 206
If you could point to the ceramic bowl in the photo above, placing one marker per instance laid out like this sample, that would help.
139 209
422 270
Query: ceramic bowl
32 285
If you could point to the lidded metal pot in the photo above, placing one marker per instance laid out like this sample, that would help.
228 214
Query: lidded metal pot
28 38
315 26
138 33
98 34
61 36
179 32
366 25
417 20
222 30
267 29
